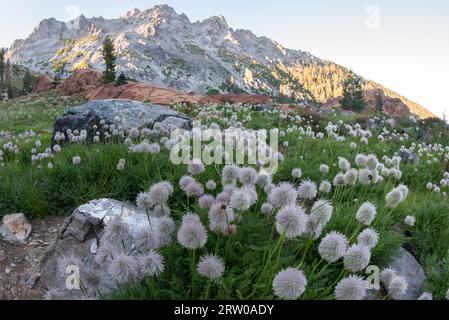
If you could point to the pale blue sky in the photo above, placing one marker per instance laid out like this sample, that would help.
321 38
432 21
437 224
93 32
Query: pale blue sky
407 50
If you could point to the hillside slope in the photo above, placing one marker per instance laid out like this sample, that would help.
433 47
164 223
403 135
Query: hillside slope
162 47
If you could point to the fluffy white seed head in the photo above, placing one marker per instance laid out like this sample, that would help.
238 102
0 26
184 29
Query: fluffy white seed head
307 190
289 284
351 288
397 287
366 213
333 247
387 275
357 258
369 238
282 195
291 221
211 267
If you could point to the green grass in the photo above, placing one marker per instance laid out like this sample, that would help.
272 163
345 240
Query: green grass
38 191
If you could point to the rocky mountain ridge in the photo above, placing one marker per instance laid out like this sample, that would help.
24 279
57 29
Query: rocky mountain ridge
165 48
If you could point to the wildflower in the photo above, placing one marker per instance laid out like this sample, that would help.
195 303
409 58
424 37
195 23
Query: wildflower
343 164
410 221
106 252
206 201
387 275
321 212
50 166
211 185
333 247
266 209
123 268
351 176
371 162
220 217
369 237
339 180
394 198
292 221
242 199
121 165
297 173
324 169
147 238
166 228
248 176
351 288
194 189
160 192
185 181
397 287
76 160
230 174
367 176
325 186
151 264
196 168
307 190
282 195
144 201
211 267
357 258
360 160
192 234
116 232
289 284
366 213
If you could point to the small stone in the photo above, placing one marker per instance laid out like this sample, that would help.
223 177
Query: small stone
15 228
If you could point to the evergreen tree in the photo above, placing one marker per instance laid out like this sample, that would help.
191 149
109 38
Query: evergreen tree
379 103
28 82
10 91
121 79
353 98
2 65
110 58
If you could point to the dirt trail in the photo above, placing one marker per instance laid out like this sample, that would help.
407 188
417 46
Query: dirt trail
20 264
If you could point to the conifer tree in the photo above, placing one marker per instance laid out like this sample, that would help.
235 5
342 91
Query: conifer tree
353 98
110 58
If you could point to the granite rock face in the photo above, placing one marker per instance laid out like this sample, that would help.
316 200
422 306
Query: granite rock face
80 238
127 113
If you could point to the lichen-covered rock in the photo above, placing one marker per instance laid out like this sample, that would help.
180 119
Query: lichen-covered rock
80 236
15 228
131 114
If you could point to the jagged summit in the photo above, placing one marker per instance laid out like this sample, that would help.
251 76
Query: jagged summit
159 45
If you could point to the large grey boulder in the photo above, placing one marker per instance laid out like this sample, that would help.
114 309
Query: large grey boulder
408 156
126 113
80 237
407 266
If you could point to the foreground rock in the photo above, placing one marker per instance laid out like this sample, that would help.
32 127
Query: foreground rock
80 237
407 266
15 228
131 114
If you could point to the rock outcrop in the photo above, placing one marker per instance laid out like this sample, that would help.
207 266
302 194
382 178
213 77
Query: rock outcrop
128 113
391 106
79 238
45 83
81 82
